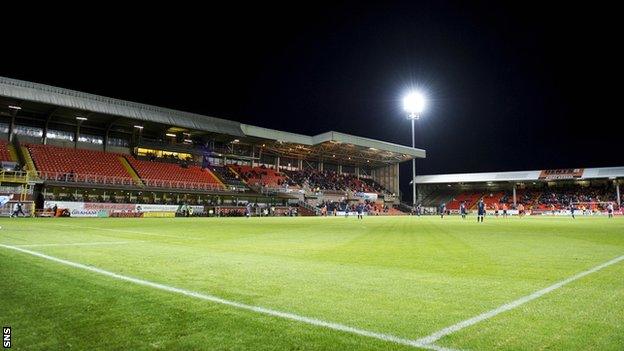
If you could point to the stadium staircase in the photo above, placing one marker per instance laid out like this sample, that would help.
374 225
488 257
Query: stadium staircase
29 164
537 197
96 166
131 171
12 153
305 209
172 175
233 170
435 198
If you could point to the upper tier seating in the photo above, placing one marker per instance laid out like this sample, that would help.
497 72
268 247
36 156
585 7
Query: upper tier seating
330 180
261 176
59 163
227 176
4 151
173 175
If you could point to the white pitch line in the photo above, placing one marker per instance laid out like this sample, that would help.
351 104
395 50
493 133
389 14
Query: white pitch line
430 339
127 231
82 244
257 309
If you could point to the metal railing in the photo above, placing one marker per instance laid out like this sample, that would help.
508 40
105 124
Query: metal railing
85 178
15 176
126 181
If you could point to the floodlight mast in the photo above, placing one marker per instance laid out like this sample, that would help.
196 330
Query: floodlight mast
413 104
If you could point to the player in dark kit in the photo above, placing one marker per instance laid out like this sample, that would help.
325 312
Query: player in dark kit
360 209
18 210
462 209
480 211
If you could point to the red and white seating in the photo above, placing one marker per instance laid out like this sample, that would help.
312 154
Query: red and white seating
158 174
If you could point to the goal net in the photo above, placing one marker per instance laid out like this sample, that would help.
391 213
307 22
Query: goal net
13 208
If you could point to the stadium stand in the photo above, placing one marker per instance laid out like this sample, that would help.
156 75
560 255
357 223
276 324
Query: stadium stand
260 176
57 163
227 176
563 197
159 174
331 180
470 198
4 151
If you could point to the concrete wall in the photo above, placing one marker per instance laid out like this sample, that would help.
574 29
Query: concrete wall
388 176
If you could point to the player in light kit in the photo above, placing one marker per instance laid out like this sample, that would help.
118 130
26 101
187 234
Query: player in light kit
610 209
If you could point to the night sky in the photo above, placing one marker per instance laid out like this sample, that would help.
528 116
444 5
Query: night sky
511 86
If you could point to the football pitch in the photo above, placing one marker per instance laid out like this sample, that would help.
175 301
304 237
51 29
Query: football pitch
382 283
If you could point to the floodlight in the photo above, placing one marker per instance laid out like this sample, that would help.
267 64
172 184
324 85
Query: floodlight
414 104
138 127
170 135
13 107
81 118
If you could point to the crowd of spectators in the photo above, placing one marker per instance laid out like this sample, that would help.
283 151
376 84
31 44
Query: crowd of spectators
329 208
563 197
227 176
331 180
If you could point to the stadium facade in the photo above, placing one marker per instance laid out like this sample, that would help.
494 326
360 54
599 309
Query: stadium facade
64 145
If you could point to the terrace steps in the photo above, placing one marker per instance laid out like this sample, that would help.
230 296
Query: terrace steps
135 177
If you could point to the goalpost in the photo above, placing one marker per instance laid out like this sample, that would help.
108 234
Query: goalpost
28 208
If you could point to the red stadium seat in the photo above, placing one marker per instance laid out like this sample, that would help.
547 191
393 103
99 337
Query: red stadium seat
160 174
4 151
83 165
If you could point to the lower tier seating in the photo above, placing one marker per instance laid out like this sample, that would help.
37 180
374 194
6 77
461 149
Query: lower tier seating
173 175
60 163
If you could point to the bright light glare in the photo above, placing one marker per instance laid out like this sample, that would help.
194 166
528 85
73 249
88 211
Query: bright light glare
414 103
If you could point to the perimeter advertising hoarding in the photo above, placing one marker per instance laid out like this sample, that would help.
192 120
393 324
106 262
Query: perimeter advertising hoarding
367 196
96 209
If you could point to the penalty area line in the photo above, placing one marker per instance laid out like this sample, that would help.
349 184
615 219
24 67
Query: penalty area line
127 231
430 339
82 244
239 305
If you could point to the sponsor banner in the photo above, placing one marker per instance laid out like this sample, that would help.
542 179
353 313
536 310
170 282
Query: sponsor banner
76 209
367 196
126 214
96 209
560 174
500 212
351 213
157 214
166 208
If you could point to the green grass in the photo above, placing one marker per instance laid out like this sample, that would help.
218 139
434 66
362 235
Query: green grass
403 276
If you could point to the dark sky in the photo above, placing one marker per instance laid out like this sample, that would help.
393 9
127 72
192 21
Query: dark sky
512 85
